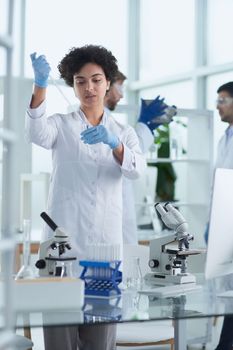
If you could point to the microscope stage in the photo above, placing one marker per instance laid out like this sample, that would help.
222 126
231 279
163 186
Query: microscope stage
53 258
185 252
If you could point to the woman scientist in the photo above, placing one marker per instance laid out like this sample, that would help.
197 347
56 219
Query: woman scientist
90 153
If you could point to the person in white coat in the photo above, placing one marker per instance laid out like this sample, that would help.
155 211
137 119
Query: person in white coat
225 160
225 108
144 131
91 153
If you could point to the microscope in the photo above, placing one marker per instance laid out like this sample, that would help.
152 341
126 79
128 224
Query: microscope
168 253
48 263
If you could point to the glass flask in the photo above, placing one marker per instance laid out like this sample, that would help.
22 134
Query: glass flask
134 279
26 271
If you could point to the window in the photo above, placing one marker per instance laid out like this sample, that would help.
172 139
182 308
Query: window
3 16
72 24
179 94
220 27
167 37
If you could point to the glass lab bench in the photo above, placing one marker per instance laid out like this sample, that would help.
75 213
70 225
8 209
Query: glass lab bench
132 306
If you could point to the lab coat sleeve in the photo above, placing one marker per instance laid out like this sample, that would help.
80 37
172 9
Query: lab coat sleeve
134 162
145 136
218 164
39 129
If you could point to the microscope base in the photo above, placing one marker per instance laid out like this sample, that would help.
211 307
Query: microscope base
161 279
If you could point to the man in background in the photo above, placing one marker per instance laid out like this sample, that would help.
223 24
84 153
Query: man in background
224 104
225 160
144 128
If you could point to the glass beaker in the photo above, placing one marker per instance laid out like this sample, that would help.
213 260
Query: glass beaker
134 278
153 151
173 148
26 271
175 140
66 269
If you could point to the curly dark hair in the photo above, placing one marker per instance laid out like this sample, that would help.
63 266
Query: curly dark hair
77 57
228 87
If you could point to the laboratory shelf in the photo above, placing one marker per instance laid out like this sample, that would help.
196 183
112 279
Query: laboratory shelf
8 138
177 160
176 204
193 132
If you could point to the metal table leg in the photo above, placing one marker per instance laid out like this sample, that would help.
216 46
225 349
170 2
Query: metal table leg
180 334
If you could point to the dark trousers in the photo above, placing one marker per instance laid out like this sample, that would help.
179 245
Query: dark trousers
226 337
83 337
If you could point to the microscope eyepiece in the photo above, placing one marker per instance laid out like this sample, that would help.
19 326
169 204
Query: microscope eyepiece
48 220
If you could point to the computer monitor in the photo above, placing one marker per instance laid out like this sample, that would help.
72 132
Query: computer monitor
219 259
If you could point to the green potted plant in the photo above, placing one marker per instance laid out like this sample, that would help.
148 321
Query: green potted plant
166 178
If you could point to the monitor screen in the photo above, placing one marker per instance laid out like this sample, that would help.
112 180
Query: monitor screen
219 260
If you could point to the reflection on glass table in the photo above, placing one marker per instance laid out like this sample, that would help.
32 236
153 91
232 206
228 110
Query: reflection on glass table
202 303
134 307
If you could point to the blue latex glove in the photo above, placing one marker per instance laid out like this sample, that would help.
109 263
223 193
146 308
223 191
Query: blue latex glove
149 112
41 70
206 233
98 134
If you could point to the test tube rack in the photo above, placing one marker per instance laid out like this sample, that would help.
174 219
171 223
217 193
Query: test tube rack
101 277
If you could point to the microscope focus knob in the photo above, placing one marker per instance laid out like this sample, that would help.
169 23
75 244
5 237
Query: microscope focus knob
40 264
153 263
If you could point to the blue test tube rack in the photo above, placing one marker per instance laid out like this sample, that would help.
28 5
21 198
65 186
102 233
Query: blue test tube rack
101 277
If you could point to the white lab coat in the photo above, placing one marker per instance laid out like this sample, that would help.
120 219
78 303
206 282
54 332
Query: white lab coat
129 223
85 195
225 160
225 153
